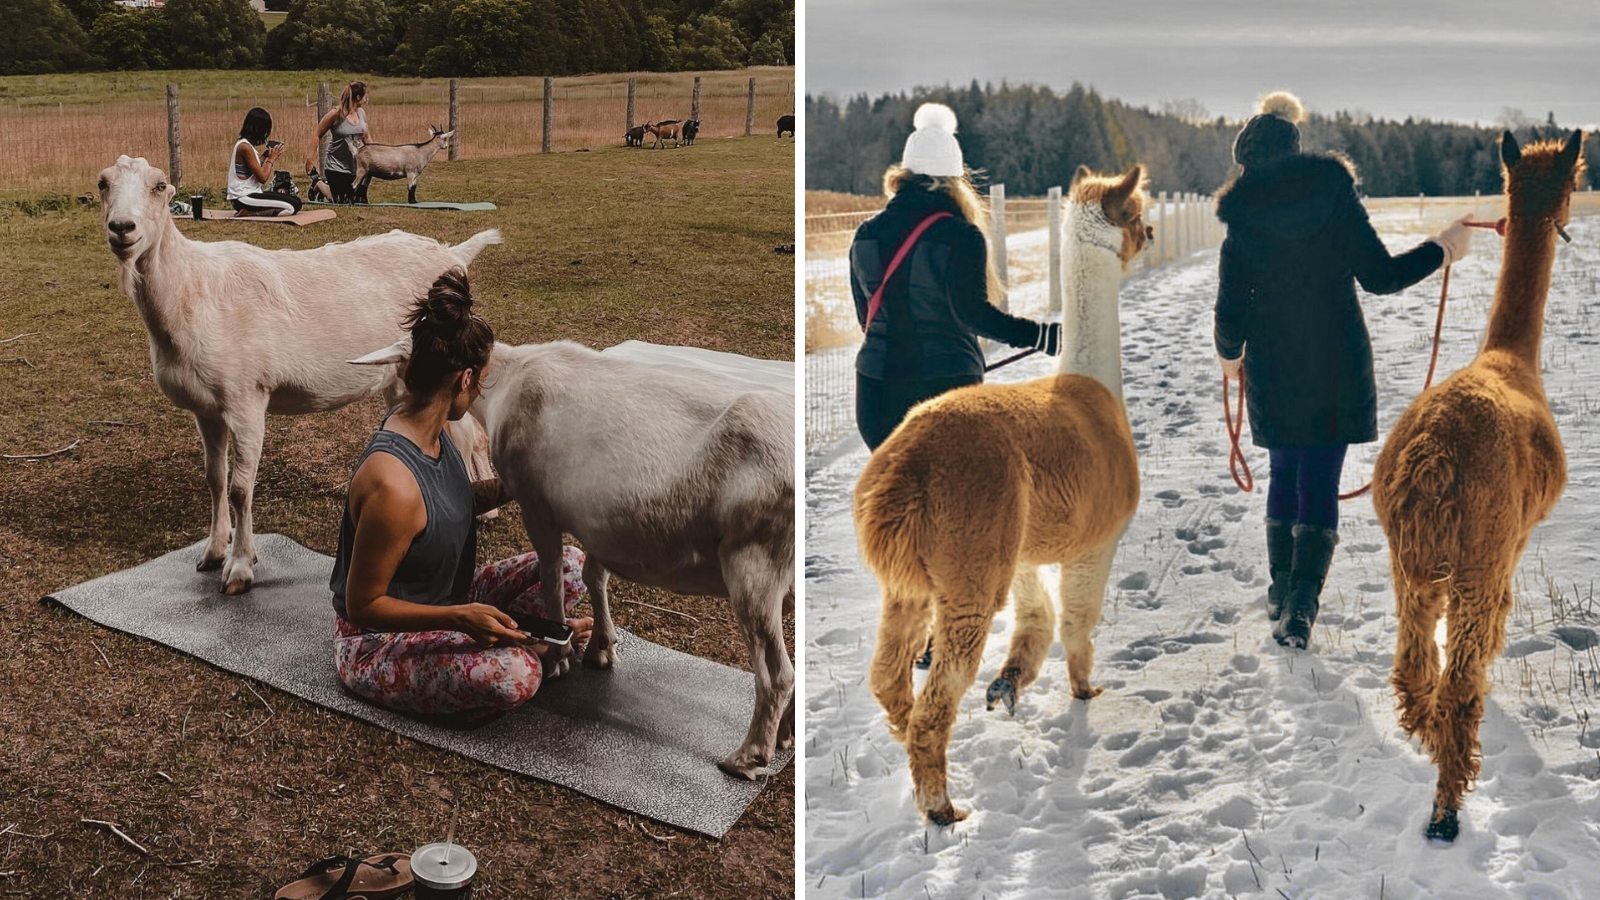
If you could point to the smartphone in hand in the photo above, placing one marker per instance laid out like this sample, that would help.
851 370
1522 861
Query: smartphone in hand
558 634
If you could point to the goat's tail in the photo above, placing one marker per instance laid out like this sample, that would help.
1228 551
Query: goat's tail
891 526
468 250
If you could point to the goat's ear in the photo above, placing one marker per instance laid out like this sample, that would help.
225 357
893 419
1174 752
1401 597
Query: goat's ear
394 354
1509 151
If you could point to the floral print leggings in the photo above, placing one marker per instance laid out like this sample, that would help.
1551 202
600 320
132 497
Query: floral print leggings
446 672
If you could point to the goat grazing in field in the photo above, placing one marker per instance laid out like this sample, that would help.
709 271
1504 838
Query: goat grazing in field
690 129
668 475
786 123
391 162
1470 468
671 129
634 136
237 332
981 486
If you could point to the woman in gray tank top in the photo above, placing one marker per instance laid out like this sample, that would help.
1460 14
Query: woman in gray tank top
420 628
346 128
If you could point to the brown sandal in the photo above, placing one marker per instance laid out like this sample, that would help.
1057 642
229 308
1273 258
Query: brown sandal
345 877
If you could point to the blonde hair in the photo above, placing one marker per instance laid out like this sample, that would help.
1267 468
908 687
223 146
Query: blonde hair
973 208
354 93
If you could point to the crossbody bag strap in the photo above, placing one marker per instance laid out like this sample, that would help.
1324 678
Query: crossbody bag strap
899 257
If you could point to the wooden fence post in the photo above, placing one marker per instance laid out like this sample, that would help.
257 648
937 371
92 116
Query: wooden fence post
455 119
1163 229
549 108
694 105
1056 299
750 109
174 139
324 103
997 237
632 87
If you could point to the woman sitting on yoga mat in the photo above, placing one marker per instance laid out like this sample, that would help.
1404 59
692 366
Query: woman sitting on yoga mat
420 629
249 173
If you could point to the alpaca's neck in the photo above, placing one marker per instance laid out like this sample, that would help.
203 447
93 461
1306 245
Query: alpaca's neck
1091 333
1516 320
161 283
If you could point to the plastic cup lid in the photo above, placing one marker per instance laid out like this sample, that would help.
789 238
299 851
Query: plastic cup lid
429 867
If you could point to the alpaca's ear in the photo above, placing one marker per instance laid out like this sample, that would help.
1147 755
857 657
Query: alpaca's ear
1130 181
1509 151
1082 173
1569 153
394 354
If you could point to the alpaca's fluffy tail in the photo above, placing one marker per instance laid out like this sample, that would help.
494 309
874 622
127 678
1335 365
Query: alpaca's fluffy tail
468 250
891 526
1422 508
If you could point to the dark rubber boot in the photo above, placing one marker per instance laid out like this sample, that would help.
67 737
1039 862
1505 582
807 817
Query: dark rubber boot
1280 559
1313 553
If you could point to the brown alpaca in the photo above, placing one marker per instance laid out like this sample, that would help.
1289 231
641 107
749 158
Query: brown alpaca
979 487
1469 469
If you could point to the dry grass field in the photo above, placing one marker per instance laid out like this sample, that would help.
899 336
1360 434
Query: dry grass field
235 787
60 128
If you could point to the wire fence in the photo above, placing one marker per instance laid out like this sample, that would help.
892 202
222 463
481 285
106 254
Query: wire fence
1030 267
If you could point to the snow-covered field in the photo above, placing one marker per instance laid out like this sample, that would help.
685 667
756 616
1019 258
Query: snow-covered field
1218 764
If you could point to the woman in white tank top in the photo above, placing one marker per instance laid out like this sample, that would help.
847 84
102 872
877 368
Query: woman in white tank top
249 174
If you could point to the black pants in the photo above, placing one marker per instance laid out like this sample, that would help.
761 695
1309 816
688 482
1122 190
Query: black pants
342 185
881 404
269 203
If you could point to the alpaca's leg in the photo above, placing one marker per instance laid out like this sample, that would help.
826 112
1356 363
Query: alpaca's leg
247 429
1083 591
902 630
1031 638
1416 656
756 586
214 435
1476 632
957 650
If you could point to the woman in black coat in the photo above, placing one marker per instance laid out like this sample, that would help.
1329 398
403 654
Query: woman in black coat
922 341
1298 241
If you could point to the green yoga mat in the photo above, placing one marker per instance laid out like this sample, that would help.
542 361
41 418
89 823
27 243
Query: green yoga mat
427 204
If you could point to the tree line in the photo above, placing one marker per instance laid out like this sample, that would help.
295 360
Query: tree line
400 37
1031 138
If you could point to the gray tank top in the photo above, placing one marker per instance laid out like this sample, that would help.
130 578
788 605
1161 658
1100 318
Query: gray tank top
438 567
342 142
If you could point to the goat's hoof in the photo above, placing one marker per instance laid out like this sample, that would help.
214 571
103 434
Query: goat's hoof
1444 825
556 666
237 577
1003 690
598 657
1088 692
209 563
743 765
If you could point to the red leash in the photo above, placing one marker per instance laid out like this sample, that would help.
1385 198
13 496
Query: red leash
1236 460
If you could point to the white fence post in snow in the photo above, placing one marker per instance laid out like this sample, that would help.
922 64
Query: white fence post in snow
1053 202
997 237
1163 229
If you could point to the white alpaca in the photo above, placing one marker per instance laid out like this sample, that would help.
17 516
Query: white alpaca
673 467
237 332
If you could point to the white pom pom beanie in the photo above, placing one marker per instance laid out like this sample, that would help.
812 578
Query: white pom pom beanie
932 148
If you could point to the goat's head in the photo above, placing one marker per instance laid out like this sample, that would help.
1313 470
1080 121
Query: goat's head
134 197
1541 177
438 138
1122 199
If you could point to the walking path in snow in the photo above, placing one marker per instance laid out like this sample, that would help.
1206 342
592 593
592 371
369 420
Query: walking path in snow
1218 764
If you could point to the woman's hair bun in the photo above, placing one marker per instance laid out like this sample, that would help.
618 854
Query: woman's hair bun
1284 105
447 307
935 117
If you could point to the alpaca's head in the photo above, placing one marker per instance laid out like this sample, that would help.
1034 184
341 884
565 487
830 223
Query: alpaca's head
1540 178
134 198
1122 198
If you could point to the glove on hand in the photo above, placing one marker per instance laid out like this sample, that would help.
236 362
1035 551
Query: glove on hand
1049 340
1231 367
1456 241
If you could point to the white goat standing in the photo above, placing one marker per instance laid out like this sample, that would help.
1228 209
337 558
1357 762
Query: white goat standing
392 162
237 332
669 476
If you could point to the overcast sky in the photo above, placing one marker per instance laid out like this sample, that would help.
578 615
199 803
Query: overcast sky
1457 60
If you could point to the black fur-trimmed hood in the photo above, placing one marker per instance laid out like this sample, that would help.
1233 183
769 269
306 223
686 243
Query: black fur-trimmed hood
1290 199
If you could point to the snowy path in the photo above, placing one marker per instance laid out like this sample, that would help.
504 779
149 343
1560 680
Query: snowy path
1218 764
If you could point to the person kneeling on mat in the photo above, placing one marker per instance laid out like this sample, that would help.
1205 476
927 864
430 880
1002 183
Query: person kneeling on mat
1298 240
249 171
419 628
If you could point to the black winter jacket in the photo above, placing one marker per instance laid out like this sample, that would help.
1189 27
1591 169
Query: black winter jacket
935 301
1298 240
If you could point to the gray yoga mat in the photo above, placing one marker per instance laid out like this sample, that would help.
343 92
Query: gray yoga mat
644 736
484 206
